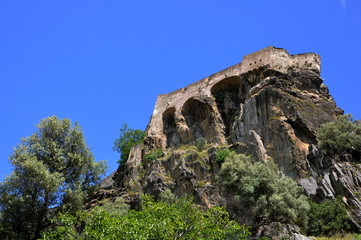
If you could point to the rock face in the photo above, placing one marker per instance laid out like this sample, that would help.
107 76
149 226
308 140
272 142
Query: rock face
273 102
270 105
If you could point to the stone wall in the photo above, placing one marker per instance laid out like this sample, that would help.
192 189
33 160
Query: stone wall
280 60
175 119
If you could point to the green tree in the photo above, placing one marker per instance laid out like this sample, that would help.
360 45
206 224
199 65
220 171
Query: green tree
341 136
128 138
259 187
53 169
156 220
328 217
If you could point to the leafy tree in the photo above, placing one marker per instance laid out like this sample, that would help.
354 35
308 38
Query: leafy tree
260 188
53 169
128 138
157 220
341 136
328 217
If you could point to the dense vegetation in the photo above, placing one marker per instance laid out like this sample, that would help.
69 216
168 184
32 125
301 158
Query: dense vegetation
127 139
53 170
176 219
328 217
340 136
260 188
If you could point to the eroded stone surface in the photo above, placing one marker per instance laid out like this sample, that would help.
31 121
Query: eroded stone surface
270 105
218 98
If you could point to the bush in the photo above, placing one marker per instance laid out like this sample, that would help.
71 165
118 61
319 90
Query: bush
328 217
222 154
157 220
154 154
168 197
260 188
341 136
200 143
116 208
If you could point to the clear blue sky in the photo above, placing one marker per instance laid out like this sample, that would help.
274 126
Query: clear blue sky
103 63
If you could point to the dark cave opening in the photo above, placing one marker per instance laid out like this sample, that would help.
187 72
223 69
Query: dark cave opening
226 95
199 117
170 127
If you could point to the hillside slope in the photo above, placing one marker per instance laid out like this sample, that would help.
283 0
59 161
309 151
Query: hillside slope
272 110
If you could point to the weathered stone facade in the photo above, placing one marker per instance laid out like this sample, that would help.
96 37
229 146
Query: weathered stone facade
191 112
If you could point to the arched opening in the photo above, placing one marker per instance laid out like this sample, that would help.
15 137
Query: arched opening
170 127
226 95
199 118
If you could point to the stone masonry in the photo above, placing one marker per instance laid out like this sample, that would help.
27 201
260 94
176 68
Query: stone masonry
176 113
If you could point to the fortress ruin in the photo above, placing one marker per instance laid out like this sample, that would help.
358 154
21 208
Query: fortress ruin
192 112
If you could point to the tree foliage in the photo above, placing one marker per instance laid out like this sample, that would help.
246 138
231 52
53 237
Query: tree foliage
328 217
127 139
341 136
117 208
53 168
157 220
259 187
222 154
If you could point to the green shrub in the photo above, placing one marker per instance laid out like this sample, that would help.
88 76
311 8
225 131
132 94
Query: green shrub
328 217
200 143
116 208
168 197
357 236
340 136
222 154
341 237
264 238
157 220
154 154
260 188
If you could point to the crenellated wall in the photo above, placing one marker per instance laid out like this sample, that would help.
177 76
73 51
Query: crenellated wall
174 112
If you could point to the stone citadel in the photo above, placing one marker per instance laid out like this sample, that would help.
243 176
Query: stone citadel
269 107
177 117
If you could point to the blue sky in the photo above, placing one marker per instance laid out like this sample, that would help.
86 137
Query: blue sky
103 63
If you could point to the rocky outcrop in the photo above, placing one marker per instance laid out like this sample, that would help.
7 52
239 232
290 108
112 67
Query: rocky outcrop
270 110
279 231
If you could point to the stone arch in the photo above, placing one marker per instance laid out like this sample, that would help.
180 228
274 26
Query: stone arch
200 118
226 94
170 127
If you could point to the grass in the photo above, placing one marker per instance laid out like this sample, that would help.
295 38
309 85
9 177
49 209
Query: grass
341 237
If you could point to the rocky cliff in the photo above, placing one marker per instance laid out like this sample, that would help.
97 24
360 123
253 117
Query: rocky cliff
268 106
